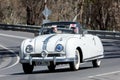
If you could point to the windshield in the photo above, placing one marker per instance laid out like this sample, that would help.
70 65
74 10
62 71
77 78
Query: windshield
59 31
59 28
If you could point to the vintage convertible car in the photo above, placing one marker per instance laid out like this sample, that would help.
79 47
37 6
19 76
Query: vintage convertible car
60 43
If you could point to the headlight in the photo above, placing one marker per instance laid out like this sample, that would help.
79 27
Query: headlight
59 48
29 49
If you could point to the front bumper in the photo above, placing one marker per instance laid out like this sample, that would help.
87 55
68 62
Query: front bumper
44 56
46 59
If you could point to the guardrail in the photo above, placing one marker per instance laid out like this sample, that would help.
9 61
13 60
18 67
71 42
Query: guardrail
105 34
35 30
26 28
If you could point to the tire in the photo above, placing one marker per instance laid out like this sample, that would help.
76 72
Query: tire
51 67
74 66
27 68
96 63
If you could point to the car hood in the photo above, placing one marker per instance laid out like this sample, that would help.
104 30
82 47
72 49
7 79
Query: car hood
49 42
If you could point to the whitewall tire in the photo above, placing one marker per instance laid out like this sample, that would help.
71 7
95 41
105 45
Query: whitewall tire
76 63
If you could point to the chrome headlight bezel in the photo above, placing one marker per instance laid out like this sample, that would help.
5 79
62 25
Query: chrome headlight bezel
29 48
59 48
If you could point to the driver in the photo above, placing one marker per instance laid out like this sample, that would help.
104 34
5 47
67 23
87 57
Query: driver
54 28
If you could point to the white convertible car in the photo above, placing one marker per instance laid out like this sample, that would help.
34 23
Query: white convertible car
60 43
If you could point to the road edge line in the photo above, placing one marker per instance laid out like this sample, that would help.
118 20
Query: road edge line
104 74
13 36
18 58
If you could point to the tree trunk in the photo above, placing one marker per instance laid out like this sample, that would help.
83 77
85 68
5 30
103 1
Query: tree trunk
30 16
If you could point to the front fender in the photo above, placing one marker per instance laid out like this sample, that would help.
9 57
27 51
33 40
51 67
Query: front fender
71 46
21 51
22 47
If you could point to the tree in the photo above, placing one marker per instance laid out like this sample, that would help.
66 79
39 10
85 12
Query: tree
99 14
95 14
34 10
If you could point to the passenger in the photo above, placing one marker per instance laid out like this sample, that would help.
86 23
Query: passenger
74 28
54 29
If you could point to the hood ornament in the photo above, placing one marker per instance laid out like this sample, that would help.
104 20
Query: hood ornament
44 54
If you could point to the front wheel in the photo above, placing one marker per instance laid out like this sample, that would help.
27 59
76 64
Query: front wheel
96 63
76 63
52 66
27 68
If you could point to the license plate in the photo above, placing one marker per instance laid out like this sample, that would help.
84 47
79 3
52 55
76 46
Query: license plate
43 63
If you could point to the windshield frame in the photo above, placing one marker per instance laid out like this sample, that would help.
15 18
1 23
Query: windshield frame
61 26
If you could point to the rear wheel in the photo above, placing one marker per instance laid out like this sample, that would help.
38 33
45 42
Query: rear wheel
52 66
76 63
96 63
27 68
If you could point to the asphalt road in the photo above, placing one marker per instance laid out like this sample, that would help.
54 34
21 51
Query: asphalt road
10 69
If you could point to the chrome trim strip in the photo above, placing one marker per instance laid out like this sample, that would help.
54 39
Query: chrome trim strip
46 41
95 57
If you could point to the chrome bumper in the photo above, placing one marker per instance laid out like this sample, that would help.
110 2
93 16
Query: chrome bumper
46 59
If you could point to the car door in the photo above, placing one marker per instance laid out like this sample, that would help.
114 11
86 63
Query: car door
89 46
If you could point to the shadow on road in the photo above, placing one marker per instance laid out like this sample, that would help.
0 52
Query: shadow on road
63 70
10 52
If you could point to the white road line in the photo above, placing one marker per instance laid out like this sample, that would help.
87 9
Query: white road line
13 53
5 62
13 36
104 74
3 76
